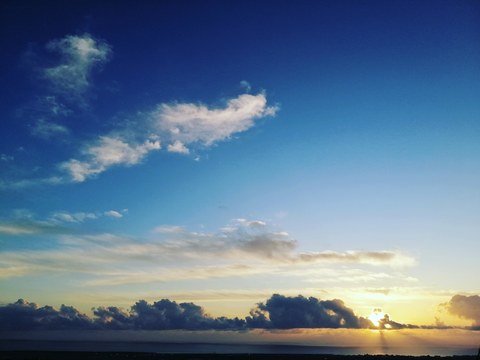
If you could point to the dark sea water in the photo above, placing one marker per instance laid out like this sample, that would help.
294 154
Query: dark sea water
204 348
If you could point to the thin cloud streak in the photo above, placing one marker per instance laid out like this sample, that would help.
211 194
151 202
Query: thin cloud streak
242 248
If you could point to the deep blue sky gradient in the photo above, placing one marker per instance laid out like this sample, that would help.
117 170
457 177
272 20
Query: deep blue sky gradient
375 144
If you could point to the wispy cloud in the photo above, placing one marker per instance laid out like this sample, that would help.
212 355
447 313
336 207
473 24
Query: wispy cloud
63 216
6 158
186 123
106 152
180 126
79 55
25 223
48 129
243 247
29 226
393 258
115 213
79 217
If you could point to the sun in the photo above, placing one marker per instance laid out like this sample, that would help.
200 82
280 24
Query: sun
376 316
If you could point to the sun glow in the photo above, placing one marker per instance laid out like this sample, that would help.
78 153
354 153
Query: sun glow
376 316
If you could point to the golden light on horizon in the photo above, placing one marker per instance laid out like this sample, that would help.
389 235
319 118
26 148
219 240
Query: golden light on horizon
376 316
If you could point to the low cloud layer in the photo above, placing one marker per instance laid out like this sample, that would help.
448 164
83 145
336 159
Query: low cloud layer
23 315
283 312
278 312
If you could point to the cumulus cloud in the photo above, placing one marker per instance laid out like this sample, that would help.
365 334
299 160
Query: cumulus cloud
23 315
106 152
161 315
467 307
178 147
79 55
387 323
278 312
166 314
283 312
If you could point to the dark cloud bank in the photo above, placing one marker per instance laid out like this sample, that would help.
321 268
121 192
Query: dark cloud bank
278 312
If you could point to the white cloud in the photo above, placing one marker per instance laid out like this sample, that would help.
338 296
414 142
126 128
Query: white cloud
112 151
106 152
22 222
114 213
180 125
16 229
167 229
79 55
178 147
77 217
47 129
28 226
189 123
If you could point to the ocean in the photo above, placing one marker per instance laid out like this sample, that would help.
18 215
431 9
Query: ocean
206 348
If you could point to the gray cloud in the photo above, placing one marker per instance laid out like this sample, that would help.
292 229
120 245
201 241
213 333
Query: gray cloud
283 312
467 307
23 315
278 312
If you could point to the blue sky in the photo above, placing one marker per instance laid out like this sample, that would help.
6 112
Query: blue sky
220 152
